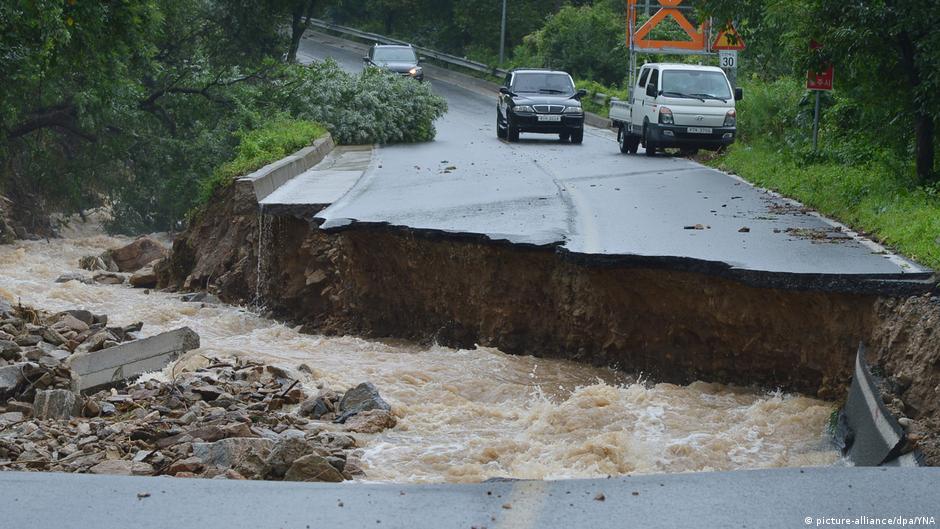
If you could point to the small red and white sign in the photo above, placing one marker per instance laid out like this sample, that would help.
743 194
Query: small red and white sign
820 80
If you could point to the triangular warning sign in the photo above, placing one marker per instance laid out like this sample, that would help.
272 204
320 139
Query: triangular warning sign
728 39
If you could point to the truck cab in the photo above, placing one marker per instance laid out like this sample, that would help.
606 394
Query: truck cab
677 105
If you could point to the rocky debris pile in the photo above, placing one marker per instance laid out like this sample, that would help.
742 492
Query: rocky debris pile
35 346
228 419
113 266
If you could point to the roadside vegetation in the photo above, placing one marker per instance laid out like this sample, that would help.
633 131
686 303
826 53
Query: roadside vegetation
144 106
876 167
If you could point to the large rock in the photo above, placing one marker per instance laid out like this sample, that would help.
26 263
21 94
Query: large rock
144 278
247 455
109 278
371 421
313 467
120 467
361 398
55 404
286 450
137 254
70 322
9 350
73 276
10 378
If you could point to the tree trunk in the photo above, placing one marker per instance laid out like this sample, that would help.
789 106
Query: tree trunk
300 21
923 121
924 130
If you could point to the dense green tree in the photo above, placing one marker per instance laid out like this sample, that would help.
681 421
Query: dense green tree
886 54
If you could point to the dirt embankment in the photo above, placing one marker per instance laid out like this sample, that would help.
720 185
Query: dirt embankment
675 326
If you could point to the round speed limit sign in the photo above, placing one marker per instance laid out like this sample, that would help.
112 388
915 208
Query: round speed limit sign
728 59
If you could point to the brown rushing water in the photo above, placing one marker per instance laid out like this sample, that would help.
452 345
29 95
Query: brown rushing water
470 415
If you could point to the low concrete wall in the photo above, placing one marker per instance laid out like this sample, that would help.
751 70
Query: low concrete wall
99 369
272 176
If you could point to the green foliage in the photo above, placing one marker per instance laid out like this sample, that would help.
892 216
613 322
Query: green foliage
372 107
593 88
585 41
258 147
132 104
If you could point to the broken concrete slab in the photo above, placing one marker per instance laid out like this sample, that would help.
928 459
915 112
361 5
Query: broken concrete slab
98 369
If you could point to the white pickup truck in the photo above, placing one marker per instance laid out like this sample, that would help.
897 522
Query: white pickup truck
677 105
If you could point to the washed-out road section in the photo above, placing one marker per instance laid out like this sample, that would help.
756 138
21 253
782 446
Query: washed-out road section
595 204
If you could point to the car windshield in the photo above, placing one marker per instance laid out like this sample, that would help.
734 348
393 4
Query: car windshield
544 83
394 55
695 84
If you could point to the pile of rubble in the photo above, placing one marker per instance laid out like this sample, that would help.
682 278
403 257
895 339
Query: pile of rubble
226 418
35 347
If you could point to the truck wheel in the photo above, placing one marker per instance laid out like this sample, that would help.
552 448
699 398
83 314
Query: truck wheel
648 143
577 136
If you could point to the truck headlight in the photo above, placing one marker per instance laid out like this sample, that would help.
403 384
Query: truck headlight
665 116
731 118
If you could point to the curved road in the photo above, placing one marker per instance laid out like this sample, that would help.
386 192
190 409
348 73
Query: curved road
595 203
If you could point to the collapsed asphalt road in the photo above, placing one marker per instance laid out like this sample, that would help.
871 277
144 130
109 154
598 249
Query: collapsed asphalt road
597 204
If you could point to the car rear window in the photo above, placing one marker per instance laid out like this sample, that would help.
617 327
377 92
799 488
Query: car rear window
540 82
394 54
696 82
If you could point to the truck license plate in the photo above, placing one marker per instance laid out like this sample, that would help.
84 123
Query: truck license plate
699 130
549 118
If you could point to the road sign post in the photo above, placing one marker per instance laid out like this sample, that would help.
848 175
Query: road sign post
819 82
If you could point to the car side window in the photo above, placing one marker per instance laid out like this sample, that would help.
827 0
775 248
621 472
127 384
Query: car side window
508 82
643 75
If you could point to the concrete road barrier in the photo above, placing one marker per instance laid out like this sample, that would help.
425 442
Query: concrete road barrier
266 180
99 369
874 436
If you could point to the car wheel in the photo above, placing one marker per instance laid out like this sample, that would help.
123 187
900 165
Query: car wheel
648 143
512 130
500 130
577 136
564 136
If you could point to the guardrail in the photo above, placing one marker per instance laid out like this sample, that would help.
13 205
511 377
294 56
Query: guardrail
436 55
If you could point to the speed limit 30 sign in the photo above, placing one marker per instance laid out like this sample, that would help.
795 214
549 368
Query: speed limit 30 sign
728 59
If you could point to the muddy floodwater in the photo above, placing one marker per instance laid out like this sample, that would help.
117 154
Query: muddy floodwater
469 415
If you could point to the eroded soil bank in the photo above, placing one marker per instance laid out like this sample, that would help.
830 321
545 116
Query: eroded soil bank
673 326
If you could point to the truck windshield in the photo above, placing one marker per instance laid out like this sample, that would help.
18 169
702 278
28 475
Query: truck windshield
394 55
695 84
544 83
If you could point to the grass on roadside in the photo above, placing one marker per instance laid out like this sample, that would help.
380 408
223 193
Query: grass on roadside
258 147
874 198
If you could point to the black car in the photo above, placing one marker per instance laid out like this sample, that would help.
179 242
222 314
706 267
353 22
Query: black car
543 101
395 58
